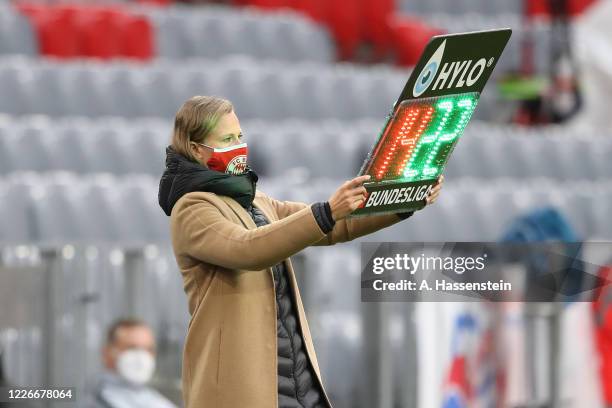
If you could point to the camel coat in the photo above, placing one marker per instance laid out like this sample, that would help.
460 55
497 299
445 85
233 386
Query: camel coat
230 352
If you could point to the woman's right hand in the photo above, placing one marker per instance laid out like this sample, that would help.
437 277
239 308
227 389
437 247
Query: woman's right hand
348 197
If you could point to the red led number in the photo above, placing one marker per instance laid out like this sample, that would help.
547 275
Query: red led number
417 142
399 142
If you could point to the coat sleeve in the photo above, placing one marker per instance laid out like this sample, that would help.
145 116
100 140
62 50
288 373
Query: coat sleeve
344 230
201 231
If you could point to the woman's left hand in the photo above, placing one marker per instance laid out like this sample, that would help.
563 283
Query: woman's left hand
435 192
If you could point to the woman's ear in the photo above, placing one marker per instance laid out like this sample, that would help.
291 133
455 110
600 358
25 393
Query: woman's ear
195 151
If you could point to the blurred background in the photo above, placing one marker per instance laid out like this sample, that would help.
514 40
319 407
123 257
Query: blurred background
88 93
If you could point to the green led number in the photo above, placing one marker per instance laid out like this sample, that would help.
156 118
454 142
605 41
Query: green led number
433 148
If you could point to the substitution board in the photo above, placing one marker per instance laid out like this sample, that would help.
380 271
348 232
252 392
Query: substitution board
428 119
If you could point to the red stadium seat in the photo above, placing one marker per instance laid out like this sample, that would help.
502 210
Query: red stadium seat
376 28
315 9
410 36
137 38
57 35
76 30
346 25
160 3
579 6
99 31
30 9
538 8
541 7
270 4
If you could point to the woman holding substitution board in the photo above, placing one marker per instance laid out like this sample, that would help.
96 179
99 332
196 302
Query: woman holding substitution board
248 343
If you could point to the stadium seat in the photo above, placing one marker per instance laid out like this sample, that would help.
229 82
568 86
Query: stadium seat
237 84
137 39
14 86
29 147
349 95
144 218
213 35
15 217
104 151
281 35
77 30
127 92
99 32
163 100
376 28
315 99
58 35
171 39
190 82
345 22
316 9
97 198
280 98
88 97
16 34
48 93
54 217
410 36
69 148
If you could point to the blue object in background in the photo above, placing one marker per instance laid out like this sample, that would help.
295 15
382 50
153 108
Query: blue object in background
547 224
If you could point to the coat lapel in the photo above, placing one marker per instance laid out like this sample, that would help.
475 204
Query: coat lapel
239 210
242 213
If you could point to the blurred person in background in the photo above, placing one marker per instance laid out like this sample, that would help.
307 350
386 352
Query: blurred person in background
248 343
129 363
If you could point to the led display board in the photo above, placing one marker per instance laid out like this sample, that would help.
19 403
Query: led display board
428 119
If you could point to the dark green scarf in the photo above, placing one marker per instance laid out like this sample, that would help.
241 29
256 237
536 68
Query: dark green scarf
183 176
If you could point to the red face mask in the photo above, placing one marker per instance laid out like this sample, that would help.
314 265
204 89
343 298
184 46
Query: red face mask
231 160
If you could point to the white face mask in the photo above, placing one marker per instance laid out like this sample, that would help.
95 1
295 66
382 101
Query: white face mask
136 365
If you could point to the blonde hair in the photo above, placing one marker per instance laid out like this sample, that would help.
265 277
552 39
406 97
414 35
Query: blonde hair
195 120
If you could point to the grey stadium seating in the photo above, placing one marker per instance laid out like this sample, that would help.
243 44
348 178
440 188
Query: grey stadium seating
16 34
329 148
490 8
303 90
51 208
284 35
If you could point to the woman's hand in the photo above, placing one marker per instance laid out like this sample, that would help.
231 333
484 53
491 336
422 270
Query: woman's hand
348 197
435 192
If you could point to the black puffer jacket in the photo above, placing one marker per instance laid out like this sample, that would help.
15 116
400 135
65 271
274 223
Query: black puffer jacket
297 383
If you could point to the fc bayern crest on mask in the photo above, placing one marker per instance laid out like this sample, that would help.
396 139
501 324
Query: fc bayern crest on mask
237 165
